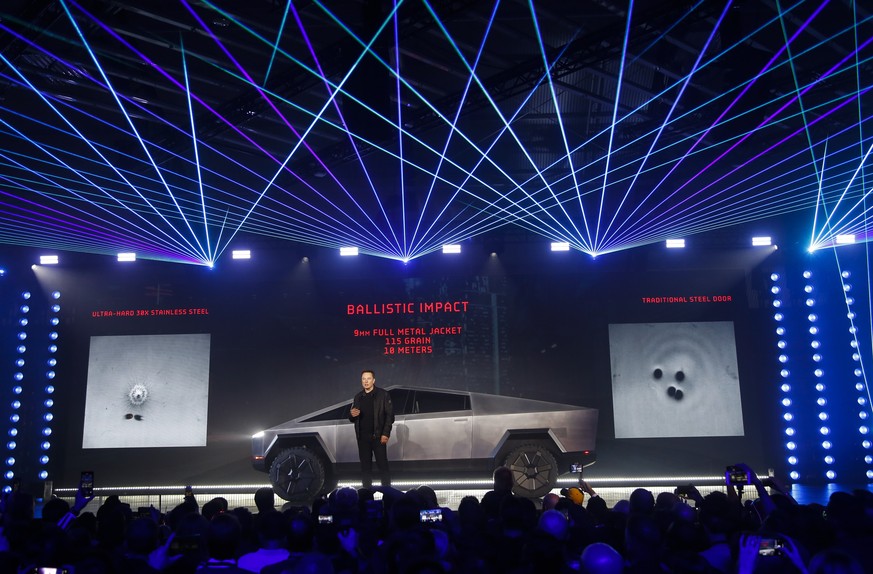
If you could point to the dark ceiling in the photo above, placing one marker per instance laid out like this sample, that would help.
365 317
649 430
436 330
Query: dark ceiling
178 128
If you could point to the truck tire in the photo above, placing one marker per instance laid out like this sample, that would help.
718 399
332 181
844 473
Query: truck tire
534 469
297 475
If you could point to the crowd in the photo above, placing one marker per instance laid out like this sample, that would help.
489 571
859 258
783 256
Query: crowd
349 531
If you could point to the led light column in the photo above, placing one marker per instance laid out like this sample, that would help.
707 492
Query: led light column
18 384
787 393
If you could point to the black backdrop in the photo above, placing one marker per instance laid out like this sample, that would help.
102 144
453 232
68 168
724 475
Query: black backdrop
283 343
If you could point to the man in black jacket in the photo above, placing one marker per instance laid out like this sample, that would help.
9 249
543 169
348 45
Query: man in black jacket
373 415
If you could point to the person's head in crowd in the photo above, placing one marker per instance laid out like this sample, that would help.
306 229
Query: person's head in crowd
18 508
244 515
518 516
111 525
621 507
845 513
345 501
550 500
313 563
272 530
866 499
471 515
685 537
641 501
442 545
598 508
211 509
428 497
95 563
834 561
300 533
86 522
406 548
564 504
682 512
223 536
575 495
503 479
188 506
405 512
265 499
554 524
142 536
192 527
246 519
642 539
717 514
600 558
54 509
665 501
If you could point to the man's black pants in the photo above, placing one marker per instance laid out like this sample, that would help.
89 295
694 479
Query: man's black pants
367 449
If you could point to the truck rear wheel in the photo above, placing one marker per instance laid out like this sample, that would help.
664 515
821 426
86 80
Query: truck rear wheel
534 469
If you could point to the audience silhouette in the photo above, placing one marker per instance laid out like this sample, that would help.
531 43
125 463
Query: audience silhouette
351 531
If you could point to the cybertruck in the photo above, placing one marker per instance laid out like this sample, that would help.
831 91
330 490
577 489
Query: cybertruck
450 433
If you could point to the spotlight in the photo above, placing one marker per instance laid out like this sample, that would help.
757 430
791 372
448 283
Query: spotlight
761 241
453 248
675 243
127 256
560 246
845 239
348 251
48 259
241 254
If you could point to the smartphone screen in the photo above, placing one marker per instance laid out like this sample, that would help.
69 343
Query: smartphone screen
86 483
735 475
770 546
325 519
434 515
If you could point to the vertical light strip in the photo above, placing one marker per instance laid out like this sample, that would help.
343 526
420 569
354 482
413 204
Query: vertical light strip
818 377
776 287
49 389
18 382
862 391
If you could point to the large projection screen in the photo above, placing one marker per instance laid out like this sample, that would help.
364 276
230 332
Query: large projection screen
675 380
147 391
